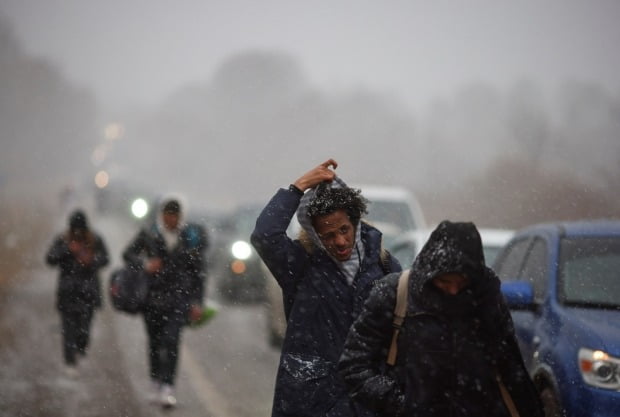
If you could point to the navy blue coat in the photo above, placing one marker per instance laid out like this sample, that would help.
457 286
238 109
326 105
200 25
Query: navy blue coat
181 281
320 307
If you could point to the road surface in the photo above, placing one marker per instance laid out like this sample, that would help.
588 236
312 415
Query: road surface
227 368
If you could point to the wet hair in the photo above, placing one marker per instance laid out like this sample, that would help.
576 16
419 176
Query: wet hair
171 207
328 200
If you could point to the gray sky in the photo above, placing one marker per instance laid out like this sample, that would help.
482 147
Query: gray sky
137 51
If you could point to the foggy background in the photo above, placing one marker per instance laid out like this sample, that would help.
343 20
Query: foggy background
504 113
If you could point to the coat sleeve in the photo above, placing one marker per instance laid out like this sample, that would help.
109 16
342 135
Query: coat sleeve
101 258
362 364
282 256
195 243
59 252
512 369
134 253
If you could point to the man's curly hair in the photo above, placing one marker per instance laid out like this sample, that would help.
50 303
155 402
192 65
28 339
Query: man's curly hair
328 200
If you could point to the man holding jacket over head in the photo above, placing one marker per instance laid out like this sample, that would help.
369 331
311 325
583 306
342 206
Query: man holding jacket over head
325 276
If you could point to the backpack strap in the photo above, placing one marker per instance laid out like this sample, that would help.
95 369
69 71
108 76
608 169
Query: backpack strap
400 311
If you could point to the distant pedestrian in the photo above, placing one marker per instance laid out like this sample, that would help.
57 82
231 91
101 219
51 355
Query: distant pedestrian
457 351
171 252
325 276
79 253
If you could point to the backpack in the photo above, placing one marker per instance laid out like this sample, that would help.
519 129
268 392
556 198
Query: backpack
128 289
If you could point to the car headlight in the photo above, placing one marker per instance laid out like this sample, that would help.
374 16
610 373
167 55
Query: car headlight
139 208
599 369
241 250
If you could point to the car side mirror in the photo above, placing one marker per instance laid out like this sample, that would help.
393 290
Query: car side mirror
519 295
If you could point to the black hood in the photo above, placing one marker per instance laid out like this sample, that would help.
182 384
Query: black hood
452 247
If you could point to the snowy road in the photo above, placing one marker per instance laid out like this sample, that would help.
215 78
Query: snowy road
226 369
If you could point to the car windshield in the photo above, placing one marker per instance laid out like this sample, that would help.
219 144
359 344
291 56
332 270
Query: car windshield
490 253
395 213
590 272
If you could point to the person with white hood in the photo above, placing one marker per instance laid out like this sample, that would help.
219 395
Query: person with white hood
325 276
172 254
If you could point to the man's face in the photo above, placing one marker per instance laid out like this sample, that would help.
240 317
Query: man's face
171 220
451 283
337 234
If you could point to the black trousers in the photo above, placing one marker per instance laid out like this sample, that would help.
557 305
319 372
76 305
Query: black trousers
164 333
75 333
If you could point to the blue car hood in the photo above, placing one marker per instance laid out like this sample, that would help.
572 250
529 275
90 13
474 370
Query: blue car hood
596 328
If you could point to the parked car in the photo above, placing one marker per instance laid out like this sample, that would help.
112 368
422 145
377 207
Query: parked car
393 210
237 266
406 246
562 284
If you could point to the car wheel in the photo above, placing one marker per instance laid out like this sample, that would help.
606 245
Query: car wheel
550 402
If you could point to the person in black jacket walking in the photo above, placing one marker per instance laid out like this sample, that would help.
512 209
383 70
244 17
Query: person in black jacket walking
79 253
457 349
172 254
325 276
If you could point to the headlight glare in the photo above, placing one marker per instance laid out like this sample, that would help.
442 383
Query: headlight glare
599 369
241 250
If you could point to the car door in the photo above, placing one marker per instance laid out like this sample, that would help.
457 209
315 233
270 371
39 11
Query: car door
529 323
509 266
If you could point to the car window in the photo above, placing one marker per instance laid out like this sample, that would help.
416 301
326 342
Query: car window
535 269
590 272
405 253
395 213
510 261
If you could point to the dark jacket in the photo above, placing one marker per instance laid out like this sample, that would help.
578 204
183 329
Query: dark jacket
78 287
181 281
451 348
320 306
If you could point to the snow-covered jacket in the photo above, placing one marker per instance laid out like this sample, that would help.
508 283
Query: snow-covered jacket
181 281
451 348
78 288
320 307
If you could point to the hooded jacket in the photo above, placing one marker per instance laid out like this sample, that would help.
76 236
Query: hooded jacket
451 349
78 287
180 283
320 305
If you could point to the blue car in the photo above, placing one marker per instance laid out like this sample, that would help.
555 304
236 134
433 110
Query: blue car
562 284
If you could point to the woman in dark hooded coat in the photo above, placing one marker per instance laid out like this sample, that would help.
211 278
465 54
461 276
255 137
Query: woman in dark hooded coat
457 339
80 254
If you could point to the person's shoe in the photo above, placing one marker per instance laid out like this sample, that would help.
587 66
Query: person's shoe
166 396
71 371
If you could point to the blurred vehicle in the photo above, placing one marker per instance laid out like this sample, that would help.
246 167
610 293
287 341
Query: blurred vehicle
406 246
493 241
236 266
562 284
393 210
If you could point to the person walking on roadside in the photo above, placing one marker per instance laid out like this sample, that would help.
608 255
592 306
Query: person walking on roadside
457 354
172 254
79 253
325 276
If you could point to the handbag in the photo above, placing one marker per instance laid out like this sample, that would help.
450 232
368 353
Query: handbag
129 289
